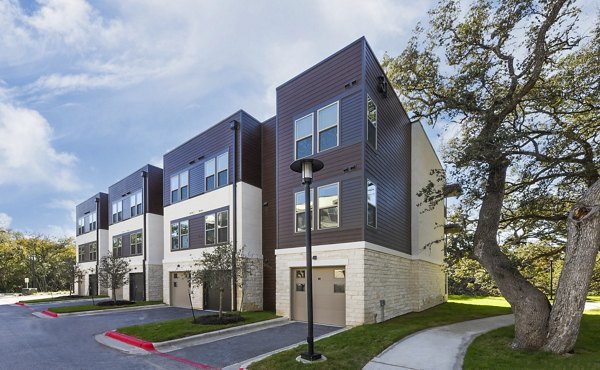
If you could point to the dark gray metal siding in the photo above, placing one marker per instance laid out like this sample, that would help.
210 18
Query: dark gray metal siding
89 206
329 81
196 224
389 165
126 243
249 157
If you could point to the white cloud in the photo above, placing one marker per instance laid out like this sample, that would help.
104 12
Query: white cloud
58 231
5 220
27 157
64 204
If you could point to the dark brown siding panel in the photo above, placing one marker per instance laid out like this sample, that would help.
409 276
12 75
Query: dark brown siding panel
155 190
319 86
269 214
249 155
134 182
104 213
389 165
196 224
89 206
194 152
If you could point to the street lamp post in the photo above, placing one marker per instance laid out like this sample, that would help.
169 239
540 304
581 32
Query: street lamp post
551 273
307 166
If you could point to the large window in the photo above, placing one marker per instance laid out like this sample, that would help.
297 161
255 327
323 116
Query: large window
117 211
136 243
209 229
300 214
93 252
303 134
222 226
117 246
184 232
179 186
93 221
81 255
222 166
371 203
371 122
327 124
135 203
80 226
175 236
209 175
328 203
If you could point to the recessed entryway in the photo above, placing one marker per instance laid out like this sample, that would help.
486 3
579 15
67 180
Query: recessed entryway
136 287
329 295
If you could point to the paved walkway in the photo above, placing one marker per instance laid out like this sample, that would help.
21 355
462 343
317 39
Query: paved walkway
441 348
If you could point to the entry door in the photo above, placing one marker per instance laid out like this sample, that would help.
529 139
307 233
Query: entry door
211 297
180 289
136 287
81 287
329 295
93 285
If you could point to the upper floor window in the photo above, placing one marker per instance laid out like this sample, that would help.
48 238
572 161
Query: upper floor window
117 211
93 221
136 243
327 124
175 236
180 235
371 203
209 229
371 122
80 226
328 203
135 202
179 186
300 200
209 175
303 135
117 246
93 251
222 167
81 255
222 227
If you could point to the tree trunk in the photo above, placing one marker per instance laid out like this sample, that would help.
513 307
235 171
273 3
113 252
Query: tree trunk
583 241
530 306
220 303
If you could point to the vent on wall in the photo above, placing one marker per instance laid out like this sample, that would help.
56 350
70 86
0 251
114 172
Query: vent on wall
382 86
350 84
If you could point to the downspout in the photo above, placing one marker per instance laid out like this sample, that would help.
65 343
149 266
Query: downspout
234 125
97 244
144 206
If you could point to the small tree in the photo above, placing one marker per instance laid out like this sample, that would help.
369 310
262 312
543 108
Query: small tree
112 273
215 268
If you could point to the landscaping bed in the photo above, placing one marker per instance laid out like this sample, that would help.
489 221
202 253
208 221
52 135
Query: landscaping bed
97 307
180 328
354 348
62 298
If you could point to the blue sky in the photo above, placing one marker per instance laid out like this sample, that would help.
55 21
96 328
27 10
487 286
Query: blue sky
91 91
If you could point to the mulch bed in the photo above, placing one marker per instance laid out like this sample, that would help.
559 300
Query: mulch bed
215 320
114 303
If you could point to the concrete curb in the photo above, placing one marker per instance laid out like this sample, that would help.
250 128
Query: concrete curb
111 310
50 313
244 365
65 301
133 341
213 336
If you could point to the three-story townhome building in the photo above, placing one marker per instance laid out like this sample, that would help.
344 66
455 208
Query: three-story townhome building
212 196
136 231
92 242
375 252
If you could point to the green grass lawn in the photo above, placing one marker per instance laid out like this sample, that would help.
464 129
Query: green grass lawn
61 298
492 350
179 328
91 307
353 348
593 298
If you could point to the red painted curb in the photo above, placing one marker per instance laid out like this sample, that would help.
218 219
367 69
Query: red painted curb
144 344
50 313
20 304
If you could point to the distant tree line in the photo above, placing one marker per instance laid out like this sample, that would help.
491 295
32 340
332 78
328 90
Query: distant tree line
47 262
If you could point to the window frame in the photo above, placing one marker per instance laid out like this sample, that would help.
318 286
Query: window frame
337 185
181 234
336 125
181 185
81 255
312 213
226 170
369 203
214 229
81 226
219 227
93 221
136 244
212 174
312 135
119 248
175 237
93 252
369 123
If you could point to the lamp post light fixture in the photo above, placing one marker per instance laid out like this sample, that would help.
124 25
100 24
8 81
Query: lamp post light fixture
307 167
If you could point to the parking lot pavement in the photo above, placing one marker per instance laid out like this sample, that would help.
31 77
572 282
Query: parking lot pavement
27 342
246 346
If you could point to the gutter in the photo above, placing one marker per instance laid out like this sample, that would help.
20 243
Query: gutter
97 244
234 125
145 205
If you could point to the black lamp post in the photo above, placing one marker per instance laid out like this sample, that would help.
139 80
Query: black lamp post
307 166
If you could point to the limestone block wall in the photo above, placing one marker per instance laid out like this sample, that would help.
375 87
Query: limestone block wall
250 294
430 286
154 283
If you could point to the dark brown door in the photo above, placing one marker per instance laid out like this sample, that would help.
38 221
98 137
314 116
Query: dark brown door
136 287
93 286
211 297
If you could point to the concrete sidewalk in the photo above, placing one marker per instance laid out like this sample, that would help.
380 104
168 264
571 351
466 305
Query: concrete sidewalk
441 348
